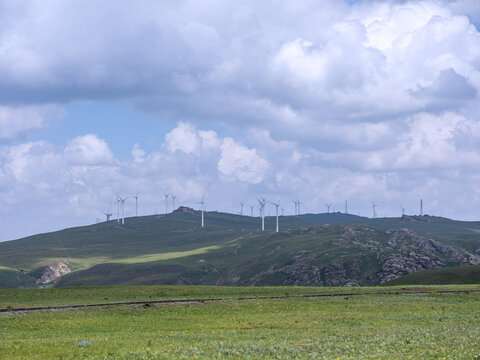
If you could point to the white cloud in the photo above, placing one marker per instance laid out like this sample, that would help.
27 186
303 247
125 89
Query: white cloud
88 150
17 121
240 162
377 100
183 138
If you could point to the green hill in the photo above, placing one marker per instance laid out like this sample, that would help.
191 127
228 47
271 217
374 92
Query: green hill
313 249
450 275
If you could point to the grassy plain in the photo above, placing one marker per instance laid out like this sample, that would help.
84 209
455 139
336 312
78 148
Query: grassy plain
356 327
22 298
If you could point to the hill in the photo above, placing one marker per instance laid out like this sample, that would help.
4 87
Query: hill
450 275
313 249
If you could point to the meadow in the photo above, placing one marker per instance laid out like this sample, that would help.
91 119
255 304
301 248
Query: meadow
372 326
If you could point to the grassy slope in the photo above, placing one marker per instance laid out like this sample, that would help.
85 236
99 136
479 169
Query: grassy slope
176 246
364 327
449 275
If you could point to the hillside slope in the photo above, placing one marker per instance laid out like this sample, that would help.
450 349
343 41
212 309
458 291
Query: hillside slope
173 249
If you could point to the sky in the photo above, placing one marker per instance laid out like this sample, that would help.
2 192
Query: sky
327 101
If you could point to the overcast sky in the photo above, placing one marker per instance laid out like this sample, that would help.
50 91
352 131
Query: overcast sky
325 100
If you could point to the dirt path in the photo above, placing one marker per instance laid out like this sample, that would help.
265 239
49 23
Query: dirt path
187 301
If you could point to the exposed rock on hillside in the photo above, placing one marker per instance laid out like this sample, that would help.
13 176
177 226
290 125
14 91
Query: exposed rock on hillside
53 272
356 255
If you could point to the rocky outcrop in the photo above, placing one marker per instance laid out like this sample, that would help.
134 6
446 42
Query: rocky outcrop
356 255
53 272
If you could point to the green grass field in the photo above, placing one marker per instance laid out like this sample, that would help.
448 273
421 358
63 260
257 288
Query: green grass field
354 327
23 298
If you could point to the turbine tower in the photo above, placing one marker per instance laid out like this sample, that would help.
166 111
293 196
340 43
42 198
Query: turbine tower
108 214
421 207
121 207
136 204
328 207
261 205
241 208
277 204
251 208
118 208
346 207
374 207
173 201
403 211
296 207
166 201
202 203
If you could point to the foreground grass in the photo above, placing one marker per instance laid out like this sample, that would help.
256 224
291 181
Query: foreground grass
360 327
19 298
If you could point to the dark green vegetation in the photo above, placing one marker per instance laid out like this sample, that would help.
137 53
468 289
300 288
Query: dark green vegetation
356 327
451 275
312 249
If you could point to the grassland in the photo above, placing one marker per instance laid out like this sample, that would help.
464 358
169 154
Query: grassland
357 327
24 298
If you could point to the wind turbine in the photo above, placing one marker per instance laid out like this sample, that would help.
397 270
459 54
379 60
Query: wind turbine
277 204
166 201
403 211
251 208
118 209
328 207
108 214
421 207
374 207
202 203
121 205
261 205
295 202
298 204
346 207
173 201
136 204
241 208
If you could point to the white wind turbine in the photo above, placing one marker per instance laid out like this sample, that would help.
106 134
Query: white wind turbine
261 204
241 208
118 208
295 202
251 208
202 203
173 200
121 205
136 203
328 207
108 214
277 204
374 208
166 201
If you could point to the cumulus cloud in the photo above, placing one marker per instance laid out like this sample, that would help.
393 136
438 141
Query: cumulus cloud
240 162
17 121
321 100
88 150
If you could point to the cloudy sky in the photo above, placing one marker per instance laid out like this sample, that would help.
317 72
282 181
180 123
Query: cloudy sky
325 100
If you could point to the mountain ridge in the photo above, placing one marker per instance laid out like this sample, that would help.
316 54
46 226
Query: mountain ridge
311 249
